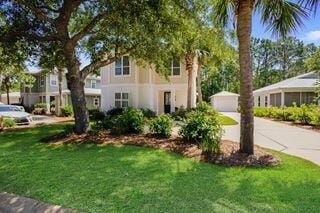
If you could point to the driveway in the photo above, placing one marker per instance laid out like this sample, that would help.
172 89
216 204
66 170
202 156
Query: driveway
281 137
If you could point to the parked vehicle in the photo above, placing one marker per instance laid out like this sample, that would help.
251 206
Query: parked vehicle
17 113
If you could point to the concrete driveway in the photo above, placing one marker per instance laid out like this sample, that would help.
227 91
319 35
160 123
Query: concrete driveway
281 137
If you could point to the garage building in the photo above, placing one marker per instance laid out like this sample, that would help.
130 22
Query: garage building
225 101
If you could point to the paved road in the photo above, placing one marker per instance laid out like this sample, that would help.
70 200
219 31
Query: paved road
281 137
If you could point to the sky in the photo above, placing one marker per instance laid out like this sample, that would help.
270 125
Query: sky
309 33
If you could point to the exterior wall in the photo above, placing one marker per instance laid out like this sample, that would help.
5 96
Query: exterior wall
225 103
145 87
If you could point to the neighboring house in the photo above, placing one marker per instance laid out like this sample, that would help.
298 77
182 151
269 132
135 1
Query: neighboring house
14 98
125 83
46 90
299 90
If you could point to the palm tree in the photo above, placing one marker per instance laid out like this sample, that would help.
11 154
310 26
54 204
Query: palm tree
280 17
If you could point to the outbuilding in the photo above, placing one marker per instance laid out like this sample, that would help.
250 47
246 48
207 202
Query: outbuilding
225 101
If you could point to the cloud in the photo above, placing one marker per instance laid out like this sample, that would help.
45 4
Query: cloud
313 36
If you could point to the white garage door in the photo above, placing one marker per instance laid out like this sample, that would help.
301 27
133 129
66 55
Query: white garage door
225 104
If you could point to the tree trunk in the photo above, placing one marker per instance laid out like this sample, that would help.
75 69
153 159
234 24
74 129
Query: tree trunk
189 68
244 27
60 71
76 86
199 80
7 86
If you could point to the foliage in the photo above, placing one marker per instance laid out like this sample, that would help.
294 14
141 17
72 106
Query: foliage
206 108
9 122
130 121
180 114
162 125
39 108
96 115
305 114
67 110
114 112
203 129
148 113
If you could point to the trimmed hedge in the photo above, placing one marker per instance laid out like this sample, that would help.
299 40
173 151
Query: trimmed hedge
162 125
306 114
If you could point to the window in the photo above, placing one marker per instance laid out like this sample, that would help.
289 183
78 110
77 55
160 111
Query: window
174 67
93 84
122 66
96 102
53 80
42 81
121 100
266 101
259 101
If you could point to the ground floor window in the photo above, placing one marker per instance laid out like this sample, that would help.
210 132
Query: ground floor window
259 101
266 101
121 100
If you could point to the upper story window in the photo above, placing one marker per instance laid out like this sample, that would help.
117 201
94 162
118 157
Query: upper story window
174 67
42 81
53 80
122 66
93 84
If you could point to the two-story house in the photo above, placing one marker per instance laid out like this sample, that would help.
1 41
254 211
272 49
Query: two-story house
126 83
46 90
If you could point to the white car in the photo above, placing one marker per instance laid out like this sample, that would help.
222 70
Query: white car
15 113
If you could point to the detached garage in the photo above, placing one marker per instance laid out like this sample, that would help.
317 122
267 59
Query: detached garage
225 101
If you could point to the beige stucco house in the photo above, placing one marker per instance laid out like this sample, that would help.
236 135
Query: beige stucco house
125 83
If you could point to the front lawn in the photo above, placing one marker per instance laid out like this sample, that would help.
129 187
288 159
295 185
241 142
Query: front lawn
104 178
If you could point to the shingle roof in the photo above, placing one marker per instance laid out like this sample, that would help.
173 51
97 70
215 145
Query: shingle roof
224 93
308 80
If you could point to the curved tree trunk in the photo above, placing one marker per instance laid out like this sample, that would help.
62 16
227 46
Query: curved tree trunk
189 68
76 87
244 25
60 71
199 80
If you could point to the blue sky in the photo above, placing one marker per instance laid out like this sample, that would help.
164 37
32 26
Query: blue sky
309 33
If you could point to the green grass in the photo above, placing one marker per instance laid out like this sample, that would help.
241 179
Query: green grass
225 120
105 178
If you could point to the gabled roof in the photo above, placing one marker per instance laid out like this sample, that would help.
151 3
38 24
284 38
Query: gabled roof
225 94
307 80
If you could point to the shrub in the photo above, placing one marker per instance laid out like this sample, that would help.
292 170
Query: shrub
203 129
180 114
206 108
66 110
114 112
9 122
39 109
301 114
148 113
96 115
162 125
130 121
315 118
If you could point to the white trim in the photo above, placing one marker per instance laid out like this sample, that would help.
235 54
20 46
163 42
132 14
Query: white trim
94 101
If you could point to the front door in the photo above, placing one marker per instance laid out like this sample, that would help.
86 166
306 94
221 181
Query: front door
167 102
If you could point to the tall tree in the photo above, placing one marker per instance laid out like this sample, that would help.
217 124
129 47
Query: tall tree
281 17
101 31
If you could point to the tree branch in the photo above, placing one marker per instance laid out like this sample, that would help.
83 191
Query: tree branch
39 14
88 28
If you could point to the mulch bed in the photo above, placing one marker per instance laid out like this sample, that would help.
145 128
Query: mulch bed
228 156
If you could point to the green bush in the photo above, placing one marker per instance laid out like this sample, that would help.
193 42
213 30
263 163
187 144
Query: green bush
130 121
148 113
9 122
66 110
180 114
203 129
162 125
40 105
96 115
114 112
39 109
206 108
315 117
